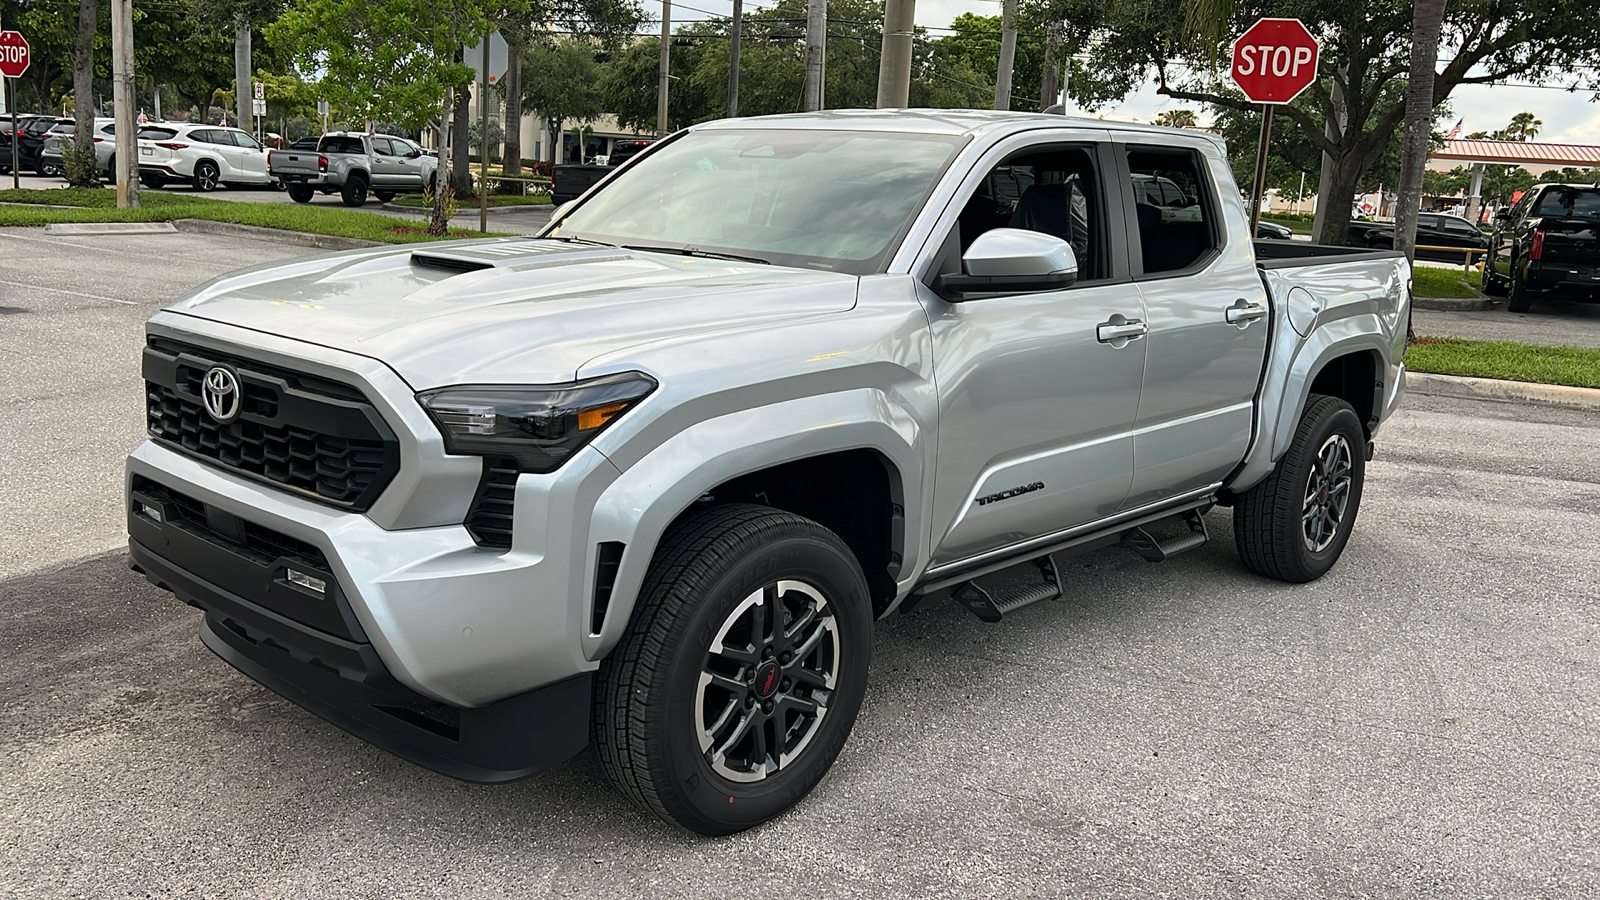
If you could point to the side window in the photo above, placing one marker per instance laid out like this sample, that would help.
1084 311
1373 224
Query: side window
380 146
1175 209
1054 191
244 140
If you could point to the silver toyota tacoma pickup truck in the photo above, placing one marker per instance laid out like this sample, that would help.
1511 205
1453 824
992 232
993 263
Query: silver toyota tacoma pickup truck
647 480
351 165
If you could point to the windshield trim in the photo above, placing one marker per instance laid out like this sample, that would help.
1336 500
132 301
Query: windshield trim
873 265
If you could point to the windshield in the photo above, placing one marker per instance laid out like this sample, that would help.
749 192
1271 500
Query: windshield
824 199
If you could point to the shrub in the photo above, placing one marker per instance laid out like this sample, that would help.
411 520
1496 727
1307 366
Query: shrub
78 165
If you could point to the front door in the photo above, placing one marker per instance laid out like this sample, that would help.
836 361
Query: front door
1208 321
1036 411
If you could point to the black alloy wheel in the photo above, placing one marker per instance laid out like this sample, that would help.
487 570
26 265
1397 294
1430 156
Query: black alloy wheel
1294 525
206 175
354 192
741 672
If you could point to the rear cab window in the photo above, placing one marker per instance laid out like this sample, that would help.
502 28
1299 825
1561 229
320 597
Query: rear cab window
1176 210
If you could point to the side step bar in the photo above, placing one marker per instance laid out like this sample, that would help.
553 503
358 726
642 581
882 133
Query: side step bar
1158 549
1011 594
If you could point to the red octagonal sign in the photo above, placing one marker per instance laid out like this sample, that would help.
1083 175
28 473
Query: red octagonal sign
1274 60
13 54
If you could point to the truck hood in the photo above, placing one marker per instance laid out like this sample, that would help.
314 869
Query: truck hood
507 311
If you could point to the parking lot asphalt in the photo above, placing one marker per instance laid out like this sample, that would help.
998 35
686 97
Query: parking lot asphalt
1552 322
1421 722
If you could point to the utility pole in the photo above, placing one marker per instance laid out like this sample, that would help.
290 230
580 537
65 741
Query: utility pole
122 101
242 94
666 67
1050 80
483 139
733 58
816 52
1008 55
894 66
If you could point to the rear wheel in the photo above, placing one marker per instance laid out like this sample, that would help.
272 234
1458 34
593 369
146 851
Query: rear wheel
354 192
741 674
301 193
1519 298
206 175
1294 525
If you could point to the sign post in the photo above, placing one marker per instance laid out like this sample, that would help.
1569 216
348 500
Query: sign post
1273 62
15 54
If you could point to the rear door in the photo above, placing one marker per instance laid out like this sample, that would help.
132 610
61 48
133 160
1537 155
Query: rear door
1206 309
250 159
386 170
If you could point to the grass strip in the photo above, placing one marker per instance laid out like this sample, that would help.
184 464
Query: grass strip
1445 284
468 204
1505 360
100 205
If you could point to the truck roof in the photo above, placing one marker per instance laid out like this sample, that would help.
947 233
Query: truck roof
939 121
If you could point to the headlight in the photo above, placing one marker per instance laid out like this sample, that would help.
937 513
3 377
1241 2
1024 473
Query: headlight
538 426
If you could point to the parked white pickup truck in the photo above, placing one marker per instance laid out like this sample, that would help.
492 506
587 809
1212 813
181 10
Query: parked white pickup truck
352 165
647 480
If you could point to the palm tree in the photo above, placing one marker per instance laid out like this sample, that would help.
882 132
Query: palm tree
1177 118
1524 127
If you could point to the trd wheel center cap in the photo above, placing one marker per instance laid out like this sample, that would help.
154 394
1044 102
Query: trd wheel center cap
766 683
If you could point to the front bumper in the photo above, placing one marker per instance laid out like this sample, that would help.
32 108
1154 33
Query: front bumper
310 645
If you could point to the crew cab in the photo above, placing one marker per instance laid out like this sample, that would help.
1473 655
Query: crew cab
351 165
647 479
1547 242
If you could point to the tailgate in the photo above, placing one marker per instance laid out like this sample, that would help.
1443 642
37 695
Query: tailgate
1572 241
294 162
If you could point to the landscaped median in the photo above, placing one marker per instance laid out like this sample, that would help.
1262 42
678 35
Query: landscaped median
1505 361
65 205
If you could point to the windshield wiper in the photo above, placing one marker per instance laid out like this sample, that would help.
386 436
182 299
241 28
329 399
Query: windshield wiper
700 254
578 240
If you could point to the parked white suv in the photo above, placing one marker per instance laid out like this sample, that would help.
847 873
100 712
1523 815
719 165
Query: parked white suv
203 155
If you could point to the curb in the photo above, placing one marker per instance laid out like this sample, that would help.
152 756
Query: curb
298 238
1453 304
464 210
70 228
1496 390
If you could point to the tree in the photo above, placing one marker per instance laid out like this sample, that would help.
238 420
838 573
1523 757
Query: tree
607 23
567 86
1426 23
1366 53
199 74
1177 118
976 43
396 60
1524 127
82 89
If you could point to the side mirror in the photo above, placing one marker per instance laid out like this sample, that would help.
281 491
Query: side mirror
1012 260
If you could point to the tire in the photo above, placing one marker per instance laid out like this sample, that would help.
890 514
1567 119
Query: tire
1492 285
1518 298
354 192
206 174
301 193
153 182
1326 463
383 196
713 578
49 171
111 168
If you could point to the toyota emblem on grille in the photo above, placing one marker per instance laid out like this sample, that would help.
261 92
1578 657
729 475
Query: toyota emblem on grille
220 391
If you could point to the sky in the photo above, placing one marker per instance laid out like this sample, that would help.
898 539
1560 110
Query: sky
1569 118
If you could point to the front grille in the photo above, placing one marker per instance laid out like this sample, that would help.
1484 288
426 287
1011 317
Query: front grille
313 436
489 517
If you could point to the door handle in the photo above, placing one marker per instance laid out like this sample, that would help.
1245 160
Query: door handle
1120 329
1243 312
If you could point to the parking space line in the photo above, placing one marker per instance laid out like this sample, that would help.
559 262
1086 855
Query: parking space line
40 287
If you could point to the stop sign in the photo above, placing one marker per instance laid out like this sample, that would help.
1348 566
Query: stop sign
13 54
1274 60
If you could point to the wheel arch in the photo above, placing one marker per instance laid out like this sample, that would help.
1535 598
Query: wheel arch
837 459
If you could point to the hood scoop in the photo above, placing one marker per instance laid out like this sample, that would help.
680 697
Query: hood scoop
511 254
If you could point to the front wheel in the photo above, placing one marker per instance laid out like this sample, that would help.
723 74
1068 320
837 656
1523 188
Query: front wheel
1492 284
741 673
1294 525
301 193
153 182
383 196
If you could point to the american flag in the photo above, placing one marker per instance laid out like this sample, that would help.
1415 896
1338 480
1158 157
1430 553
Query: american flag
1454 132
